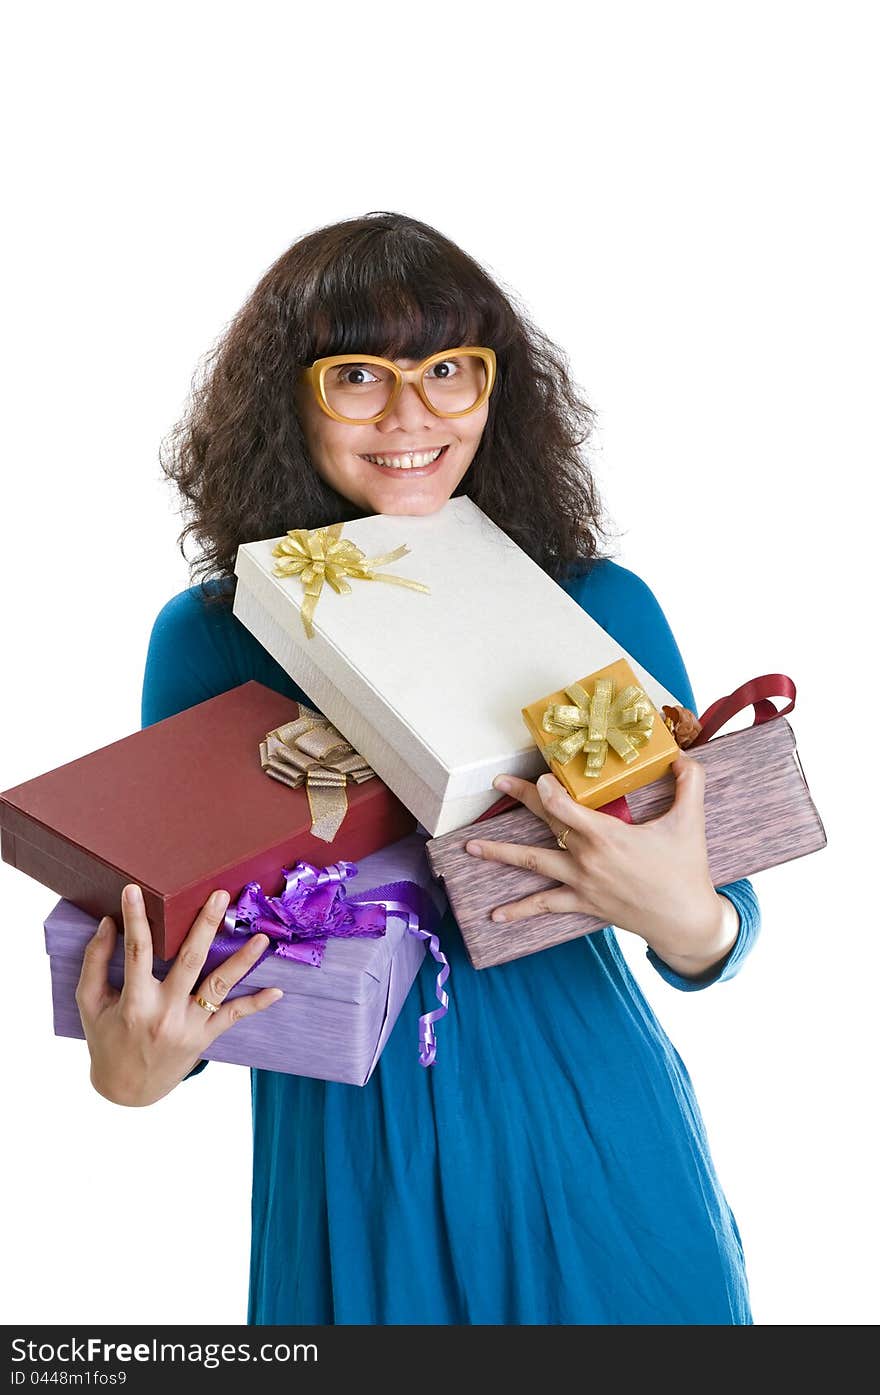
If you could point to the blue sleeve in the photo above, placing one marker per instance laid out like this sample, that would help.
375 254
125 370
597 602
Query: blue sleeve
182 667
627 608
180 671
196 652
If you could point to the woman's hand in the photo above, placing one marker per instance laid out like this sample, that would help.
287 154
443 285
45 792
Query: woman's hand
652 878
145 1038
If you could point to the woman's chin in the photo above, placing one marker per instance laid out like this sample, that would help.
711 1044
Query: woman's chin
412 508
412 498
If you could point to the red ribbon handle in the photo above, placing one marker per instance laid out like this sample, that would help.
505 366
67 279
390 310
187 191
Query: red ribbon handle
758 692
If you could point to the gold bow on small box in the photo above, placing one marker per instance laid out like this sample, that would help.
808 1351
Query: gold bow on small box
602 736
320 554
624 722
310 751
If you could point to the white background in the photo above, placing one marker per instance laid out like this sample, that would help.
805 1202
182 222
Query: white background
683 197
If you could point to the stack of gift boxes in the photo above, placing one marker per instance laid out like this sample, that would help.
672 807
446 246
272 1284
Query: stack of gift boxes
337 829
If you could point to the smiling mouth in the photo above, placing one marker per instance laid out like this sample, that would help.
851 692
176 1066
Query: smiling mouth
407 460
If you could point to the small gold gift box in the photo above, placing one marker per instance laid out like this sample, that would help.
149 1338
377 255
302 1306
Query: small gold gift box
602 736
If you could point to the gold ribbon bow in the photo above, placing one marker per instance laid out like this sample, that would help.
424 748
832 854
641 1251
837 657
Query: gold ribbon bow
309 750
593 724
321 554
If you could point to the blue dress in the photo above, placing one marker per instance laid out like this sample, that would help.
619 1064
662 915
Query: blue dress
552 1166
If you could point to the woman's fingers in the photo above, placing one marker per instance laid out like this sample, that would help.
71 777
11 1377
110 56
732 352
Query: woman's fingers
557 866
524 791
557 900
93 989
215 986
138 943
191 956
550 801
558 805
237 1008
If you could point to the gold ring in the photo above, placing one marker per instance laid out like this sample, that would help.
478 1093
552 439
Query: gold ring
561 837
209 1007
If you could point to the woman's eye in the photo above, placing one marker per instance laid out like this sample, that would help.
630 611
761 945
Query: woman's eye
446 368
356 375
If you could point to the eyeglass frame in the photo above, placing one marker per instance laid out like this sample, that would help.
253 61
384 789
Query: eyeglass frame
315 373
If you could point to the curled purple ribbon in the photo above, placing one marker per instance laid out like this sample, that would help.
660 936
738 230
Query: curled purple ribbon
405 895
313 907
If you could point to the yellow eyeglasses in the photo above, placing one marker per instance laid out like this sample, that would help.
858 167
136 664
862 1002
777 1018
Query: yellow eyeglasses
362 388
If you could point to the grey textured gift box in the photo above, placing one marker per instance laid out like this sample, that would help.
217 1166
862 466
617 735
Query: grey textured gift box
333 1021
759 813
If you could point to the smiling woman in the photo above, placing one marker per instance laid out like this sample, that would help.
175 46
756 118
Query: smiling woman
258 447
406 413
378 369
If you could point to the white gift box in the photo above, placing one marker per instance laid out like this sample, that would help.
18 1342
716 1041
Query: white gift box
429 687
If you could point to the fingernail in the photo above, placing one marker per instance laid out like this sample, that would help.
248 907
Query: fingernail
498 915
501 782
219 901
102 926
474 849
261 940
545 783
276 994
133 897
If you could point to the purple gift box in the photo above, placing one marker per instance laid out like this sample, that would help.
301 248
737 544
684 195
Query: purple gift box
335 1017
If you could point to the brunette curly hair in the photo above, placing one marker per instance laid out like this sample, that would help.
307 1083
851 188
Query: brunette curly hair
381 284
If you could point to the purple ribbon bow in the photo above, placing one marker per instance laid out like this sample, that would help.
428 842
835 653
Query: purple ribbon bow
314 906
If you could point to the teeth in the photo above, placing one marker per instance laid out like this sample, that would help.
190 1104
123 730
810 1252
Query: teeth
405 462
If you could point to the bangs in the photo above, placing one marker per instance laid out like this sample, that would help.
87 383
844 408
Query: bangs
393 321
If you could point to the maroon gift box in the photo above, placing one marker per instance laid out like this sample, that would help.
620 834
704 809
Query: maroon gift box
182 807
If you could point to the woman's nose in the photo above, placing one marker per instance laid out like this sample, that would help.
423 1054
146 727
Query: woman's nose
409 411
